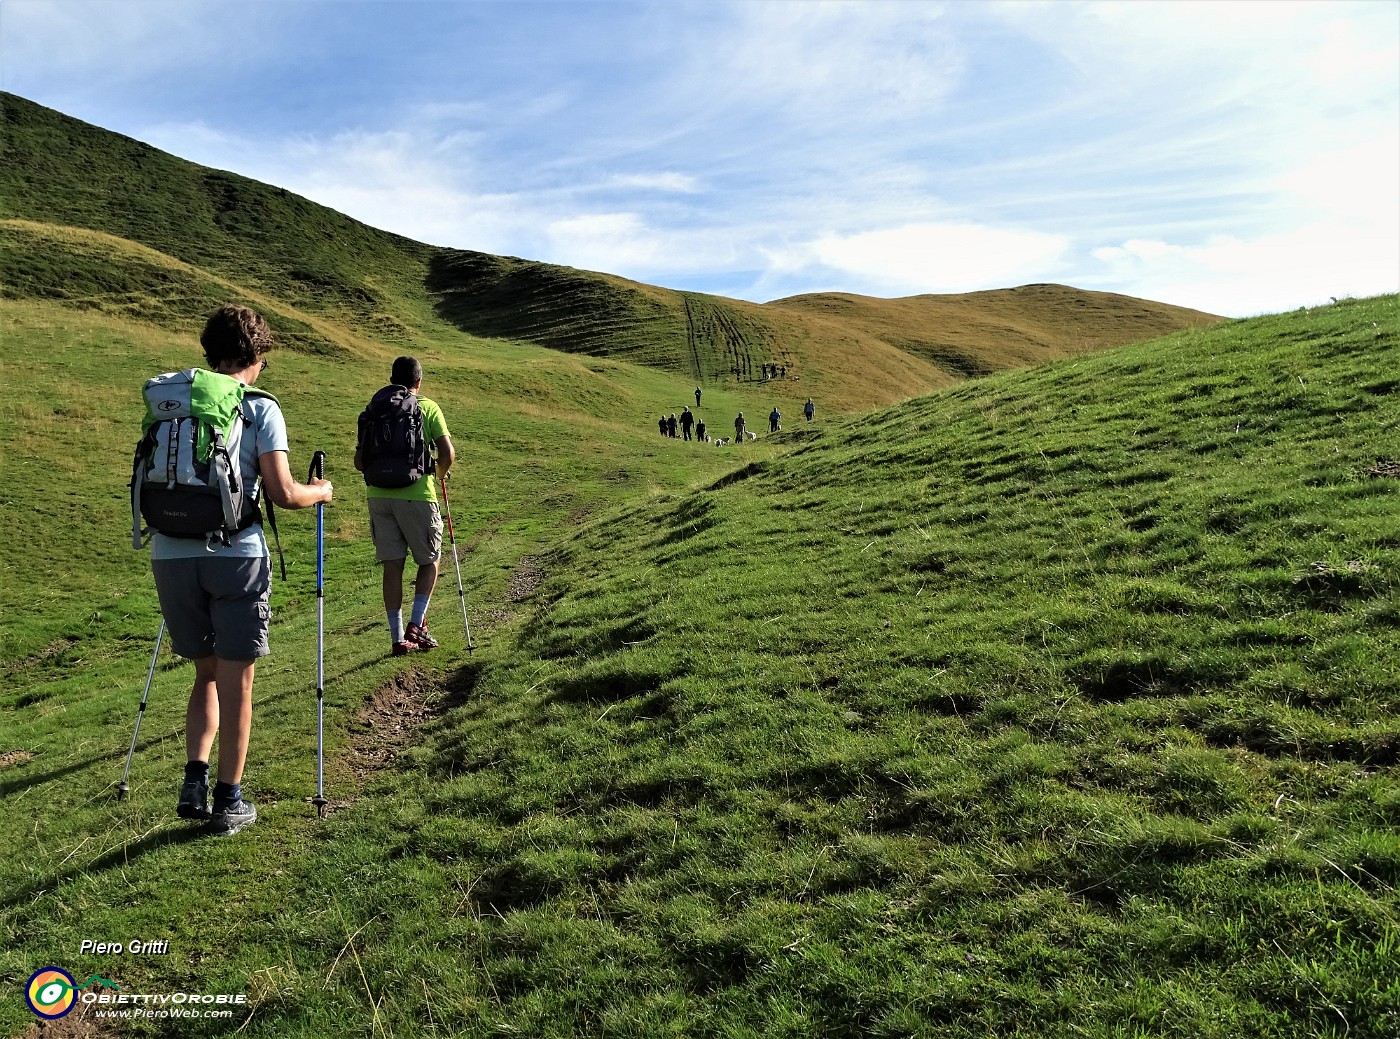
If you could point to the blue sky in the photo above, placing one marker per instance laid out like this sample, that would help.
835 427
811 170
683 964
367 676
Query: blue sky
1237 158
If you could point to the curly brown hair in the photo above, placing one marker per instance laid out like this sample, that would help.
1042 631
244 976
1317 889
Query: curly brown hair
237 334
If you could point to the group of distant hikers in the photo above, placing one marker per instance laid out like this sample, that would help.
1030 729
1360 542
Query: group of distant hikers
213 446
682 425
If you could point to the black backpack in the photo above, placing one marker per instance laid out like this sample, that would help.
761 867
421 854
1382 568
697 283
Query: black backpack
392 449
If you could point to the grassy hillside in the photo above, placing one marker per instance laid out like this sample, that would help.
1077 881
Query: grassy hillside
1058 703
215 228
977 333
57 170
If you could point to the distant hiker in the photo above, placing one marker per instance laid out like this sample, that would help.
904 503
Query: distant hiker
739 428
687 421
700 430
784 371
662 426
773 417
403 448
671 425
697 396
809 409
209 558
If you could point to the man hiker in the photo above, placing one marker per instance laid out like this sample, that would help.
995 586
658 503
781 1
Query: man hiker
687 421
403 449
671 426
809 409
662 425
773 417
697 396
214 587
739 429
700 430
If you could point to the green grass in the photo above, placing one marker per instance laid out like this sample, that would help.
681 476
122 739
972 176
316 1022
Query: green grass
1060 703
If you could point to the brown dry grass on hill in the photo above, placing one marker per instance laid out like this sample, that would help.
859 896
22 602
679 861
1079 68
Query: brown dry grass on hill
980 332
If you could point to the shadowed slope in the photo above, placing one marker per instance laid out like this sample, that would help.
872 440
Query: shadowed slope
706 338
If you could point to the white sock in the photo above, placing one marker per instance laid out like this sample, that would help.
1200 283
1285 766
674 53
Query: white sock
395 624
420 609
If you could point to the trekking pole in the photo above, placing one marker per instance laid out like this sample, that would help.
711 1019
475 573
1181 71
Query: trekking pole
122 787
452 537
318 471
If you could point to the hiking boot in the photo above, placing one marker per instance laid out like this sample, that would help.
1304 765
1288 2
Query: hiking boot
418 637
401 649
229 818
194 799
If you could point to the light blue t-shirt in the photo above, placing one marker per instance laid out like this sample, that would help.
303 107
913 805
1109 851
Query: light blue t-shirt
268 432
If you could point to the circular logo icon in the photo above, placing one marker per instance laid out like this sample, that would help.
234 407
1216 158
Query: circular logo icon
51 992
168 405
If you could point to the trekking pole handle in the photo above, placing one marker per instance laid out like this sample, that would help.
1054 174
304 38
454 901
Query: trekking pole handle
318 466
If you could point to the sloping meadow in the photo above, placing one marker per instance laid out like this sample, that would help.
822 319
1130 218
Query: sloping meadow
1063 702
1060 703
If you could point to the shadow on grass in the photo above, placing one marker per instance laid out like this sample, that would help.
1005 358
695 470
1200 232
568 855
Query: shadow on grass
24 782
118 857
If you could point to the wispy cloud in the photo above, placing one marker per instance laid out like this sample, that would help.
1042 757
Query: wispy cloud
679 183
1229 156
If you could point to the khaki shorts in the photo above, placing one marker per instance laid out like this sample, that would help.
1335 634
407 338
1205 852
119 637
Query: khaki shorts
398 527
215 607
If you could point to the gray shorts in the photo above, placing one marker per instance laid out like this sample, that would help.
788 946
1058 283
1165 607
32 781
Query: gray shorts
216 606
397 526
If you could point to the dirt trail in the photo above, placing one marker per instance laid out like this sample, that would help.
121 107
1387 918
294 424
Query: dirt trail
388 722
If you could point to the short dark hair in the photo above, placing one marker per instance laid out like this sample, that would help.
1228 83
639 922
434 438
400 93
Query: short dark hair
236 334
407 372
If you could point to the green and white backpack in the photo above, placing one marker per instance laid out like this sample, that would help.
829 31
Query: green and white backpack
185 479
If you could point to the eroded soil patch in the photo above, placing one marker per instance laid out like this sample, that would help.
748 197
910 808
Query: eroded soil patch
527 576
15 757
391 719
385 725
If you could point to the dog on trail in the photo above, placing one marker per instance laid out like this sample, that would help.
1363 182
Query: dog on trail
750 435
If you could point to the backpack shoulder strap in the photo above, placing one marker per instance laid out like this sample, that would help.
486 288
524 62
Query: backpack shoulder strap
253 391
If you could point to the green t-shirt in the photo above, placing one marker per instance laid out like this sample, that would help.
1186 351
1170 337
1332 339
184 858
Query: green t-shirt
424 488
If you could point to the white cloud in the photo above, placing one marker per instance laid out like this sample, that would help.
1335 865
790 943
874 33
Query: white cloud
1225 275
804 66
941 257
678 183
1358 183
625 244
1344 240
